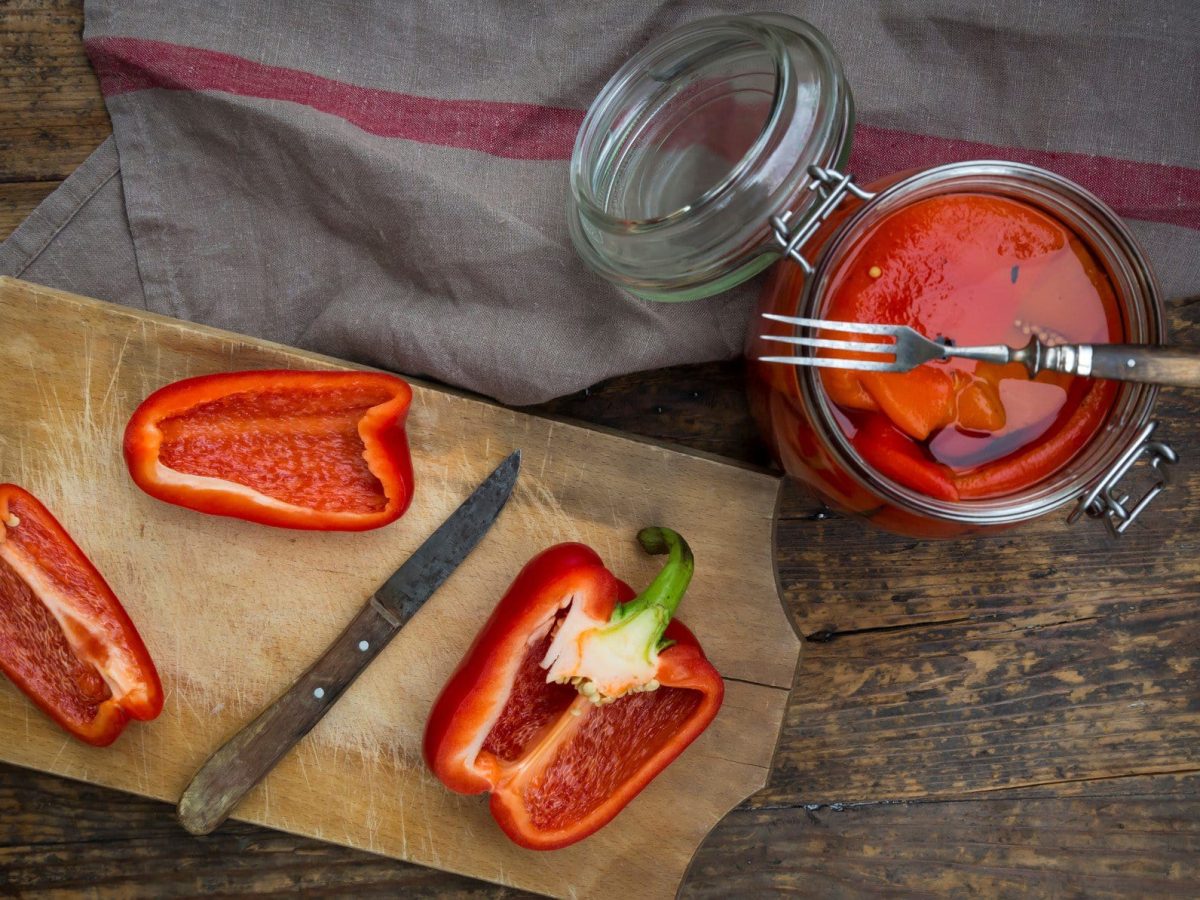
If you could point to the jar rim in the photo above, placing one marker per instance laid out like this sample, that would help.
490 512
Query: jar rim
1138 298
581 186
721 236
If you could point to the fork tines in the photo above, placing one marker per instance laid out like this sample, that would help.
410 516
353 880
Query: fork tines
830 325
884 348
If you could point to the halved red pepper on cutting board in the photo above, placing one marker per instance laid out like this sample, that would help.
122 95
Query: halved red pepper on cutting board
575 695
314 450
65 639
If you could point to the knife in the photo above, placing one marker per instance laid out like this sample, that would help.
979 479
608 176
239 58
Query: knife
235 768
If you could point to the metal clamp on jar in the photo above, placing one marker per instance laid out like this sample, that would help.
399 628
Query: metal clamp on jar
720 149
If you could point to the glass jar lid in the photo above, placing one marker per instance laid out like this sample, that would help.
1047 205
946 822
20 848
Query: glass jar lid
696 143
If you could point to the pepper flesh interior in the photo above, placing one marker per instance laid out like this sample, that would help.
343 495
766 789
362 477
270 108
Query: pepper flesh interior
599 749
611 743
298 446
64 638
532 705
33 643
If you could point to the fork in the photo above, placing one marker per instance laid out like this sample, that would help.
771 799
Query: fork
909 348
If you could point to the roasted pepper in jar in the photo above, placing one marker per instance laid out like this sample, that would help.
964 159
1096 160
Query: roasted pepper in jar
979 269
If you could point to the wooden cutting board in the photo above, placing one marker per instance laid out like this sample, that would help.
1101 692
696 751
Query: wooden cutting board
233 611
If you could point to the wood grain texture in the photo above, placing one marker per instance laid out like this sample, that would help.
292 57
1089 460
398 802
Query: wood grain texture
1135 837
1129 837
701 407
18 200
233 611
52 113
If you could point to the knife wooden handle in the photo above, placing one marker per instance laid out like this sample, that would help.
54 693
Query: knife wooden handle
241 763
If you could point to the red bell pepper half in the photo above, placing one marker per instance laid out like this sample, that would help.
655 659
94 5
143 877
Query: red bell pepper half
575 695
314 450
65 640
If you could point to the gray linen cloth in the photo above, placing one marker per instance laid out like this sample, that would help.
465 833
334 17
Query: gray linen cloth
386 182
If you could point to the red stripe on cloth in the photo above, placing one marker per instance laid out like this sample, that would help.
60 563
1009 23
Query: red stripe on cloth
510 130
1137 190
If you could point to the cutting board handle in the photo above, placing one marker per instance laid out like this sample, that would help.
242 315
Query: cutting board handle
229 774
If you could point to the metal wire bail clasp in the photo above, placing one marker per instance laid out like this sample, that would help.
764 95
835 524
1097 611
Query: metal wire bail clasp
832 186
1106 501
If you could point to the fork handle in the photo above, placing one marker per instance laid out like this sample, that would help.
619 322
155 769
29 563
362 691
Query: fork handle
1177 366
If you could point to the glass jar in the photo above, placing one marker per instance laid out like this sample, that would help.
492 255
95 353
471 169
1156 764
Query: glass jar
796 414
717 151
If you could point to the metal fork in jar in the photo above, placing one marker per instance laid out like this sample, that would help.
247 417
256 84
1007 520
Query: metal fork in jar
908 348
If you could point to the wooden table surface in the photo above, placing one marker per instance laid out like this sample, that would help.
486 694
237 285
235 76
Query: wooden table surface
1015 714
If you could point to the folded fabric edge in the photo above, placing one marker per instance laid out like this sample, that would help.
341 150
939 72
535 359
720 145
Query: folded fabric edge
31 238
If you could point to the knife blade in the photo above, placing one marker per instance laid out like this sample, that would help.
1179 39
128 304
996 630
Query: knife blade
423 573
220 784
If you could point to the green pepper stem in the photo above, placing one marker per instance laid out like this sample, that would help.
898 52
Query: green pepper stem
668 587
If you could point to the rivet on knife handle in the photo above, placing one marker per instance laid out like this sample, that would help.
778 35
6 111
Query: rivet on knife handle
241 763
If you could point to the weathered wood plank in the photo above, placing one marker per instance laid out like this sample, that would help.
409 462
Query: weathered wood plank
1139 839
1041 572
702 407
979 706
1131 837
18 199
51 112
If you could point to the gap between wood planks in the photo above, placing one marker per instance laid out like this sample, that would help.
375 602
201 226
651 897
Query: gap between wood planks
832 633
1005 793
829 634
